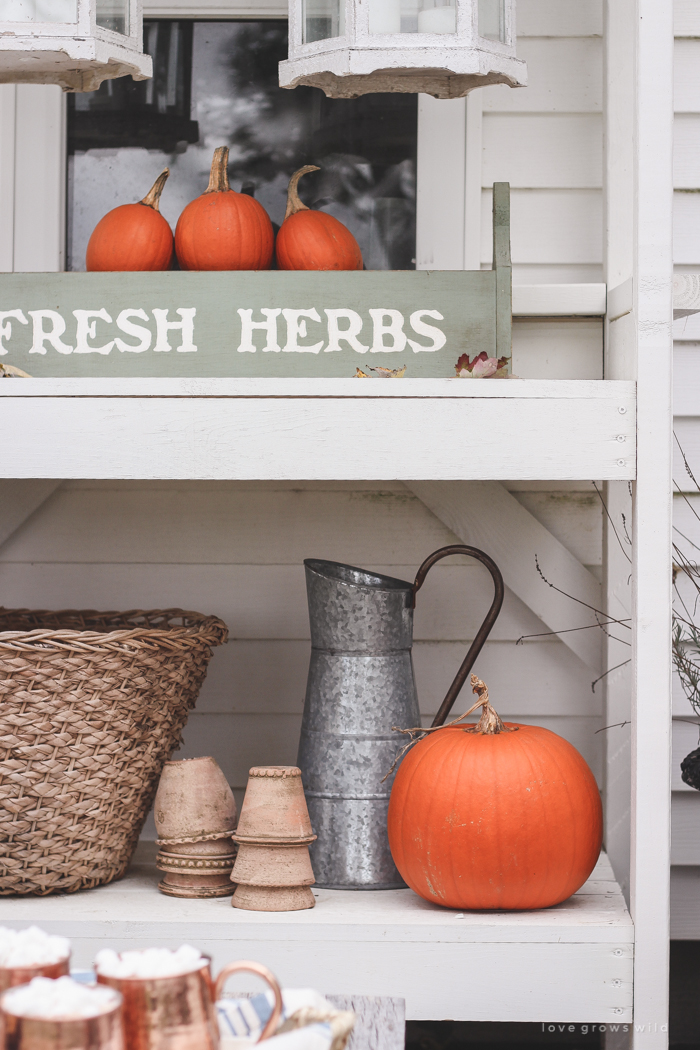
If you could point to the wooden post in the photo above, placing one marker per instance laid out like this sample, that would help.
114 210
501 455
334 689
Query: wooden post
502 266
639 192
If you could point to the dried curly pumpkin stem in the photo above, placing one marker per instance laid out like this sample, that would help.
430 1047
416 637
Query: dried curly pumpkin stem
488 725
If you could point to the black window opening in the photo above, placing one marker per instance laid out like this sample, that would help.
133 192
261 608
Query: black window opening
215 83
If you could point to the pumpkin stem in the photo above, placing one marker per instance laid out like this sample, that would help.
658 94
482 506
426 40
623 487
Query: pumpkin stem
293 203
490 723
152 198
218 176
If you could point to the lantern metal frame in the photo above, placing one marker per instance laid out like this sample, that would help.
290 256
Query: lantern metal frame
76 55
445 65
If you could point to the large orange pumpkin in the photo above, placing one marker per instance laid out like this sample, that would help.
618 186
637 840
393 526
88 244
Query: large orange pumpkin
498 816
312 240
133 236
222 229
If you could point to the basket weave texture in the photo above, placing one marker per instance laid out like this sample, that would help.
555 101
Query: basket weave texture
91 706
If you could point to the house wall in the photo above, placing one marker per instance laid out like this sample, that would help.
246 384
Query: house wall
235 549
685 876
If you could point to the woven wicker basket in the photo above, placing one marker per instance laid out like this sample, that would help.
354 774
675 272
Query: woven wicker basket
91 706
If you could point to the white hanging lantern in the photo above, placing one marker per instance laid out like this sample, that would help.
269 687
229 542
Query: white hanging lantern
74 43
444 48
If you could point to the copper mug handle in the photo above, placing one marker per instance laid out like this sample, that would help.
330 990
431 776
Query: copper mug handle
244 966
486 627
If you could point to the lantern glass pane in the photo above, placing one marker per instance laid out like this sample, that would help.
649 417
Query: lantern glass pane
412 16
114 15
39 11
323 19
492 19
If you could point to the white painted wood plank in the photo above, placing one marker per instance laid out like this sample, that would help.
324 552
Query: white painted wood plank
685 829
546 390
440 185
187 522
686 76
533 151
19 499
686 18
565 18
40 178
380 1022
8 108
257 601
564 76
686 151
564 349
688 434
574 518
238 742
487 516
686 228
473 162
551 300
288 438
538 679
652 24
550 227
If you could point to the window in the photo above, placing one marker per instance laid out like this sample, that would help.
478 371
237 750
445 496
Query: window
215 83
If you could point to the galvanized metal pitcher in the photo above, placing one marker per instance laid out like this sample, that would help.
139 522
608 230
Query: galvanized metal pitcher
360 684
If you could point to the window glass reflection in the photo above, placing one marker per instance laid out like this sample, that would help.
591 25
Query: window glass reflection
114 15
38 10
492 19
218 86
323 19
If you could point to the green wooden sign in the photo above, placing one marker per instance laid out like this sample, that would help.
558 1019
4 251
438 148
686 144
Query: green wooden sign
259 323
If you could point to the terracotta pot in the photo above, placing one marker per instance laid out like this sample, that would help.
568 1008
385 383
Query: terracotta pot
103 1032
196 885
197 869
12 976
274 808
273 898
194 802
273 866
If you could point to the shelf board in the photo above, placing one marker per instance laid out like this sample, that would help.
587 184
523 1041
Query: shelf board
306 429
569 963
559 300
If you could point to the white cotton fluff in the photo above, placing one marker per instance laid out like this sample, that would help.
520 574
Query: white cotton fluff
153 962
62 998
31 947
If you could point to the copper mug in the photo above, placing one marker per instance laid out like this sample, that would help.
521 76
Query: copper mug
179 1012
104 1031
12 976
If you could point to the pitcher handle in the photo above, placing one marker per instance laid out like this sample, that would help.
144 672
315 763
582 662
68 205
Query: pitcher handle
244 966
486 627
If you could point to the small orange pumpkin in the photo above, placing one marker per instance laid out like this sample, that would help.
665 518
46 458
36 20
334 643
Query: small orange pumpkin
312 240
494 816
222 229
133 236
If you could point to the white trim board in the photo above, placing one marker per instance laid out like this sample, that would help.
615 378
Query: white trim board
569 963
484 514
321 437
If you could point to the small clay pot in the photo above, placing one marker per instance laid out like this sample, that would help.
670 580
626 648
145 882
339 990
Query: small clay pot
197 885
197 869
273 866
273 898
194 802
274 808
